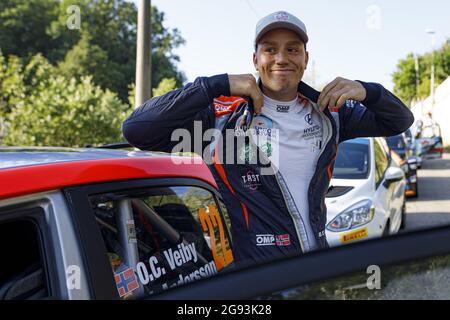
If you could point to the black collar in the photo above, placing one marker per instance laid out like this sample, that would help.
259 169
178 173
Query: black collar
309 92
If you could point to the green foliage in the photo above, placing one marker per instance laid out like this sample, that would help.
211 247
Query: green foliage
24 27
104 47
71 87
165 86
405 75
58 111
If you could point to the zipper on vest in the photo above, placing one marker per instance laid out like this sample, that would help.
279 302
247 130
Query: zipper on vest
302 245
329 129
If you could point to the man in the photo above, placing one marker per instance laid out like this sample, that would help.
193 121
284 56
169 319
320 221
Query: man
283 213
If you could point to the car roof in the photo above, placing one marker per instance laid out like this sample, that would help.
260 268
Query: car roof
358 141
26 170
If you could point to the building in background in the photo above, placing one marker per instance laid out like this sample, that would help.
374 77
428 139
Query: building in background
440 111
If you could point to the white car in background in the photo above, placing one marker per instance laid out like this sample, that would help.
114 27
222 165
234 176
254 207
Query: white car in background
366 198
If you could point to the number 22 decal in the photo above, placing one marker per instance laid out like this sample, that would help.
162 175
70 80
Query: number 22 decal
209 224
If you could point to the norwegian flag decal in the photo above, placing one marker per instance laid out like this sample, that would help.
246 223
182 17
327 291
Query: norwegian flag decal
126 282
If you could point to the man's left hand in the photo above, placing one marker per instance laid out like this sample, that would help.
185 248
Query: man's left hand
340 90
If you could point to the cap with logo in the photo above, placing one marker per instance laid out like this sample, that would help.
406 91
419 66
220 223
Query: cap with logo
281 19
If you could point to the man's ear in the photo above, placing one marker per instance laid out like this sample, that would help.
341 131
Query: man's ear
255 61
306 59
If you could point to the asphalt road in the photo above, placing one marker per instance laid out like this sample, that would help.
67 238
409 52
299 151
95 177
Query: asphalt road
432 207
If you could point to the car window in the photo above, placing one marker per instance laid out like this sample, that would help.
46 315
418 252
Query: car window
22 273
352 161
163 237
381 162
422 279
396 142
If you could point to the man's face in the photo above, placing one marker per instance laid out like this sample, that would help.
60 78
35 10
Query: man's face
281 61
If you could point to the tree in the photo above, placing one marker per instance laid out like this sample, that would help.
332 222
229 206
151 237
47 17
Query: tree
104 47
59 111
165 86
24 27
405 75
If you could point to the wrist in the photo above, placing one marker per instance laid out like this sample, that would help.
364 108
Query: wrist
217 85
373 92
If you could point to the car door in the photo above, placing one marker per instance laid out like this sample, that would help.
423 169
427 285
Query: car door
398 200
142 237
383 194
407 266
41 257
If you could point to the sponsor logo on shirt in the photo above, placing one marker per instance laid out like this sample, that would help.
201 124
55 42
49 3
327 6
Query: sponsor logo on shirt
308 119
283 109
267 149
283 240
250 180
350 103
263 126
312 132
247 153
280 240
316 145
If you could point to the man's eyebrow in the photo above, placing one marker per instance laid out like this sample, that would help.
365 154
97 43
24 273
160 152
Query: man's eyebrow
268 42
293 42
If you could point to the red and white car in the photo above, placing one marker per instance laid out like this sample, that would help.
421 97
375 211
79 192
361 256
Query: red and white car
107 224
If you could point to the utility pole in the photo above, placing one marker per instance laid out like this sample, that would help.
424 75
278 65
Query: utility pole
416 65
143 53
433 40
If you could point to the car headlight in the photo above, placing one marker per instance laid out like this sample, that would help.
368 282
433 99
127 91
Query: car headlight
355 216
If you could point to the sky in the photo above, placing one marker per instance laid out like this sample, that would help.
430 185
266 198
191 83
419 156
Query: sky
354 39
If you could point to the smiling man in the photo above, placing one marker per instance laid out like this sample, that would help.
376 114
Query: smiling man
282 213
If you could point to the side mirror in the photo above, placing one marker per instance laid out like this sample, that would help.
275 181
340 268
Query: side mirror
393 175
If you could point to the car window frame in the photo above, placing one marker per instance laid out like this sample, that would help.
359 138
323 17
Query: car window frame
389 161
335 262
35 213
102 283
369 162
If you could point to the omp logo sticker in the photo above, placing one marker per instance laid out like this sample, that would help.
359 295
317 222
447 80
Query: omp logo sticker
283 109
280 240
265 240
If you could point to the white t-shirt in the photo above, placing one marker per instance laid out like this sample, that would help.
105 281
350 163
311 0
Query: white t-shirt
299 142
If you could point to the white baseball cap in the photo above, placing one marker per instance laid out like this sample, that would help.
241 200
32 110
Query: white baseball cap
281 19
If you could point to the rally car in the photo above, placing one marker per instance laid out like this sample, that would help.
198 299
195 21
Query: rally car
366 198
107 224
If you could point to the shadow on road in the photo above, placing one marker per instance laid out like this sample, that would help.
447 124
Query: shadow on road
432 207
426 220
437 164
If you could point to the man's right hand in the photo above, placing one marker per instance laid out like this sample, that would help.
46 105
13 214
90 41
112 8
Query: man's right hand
244 85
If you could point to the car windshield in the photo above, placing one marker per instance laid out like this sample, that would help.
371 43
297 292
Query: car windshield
395 142
352 161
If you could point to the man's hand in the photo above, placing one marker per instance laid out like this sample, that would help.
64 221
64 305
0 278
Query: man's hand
244 85
340 90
